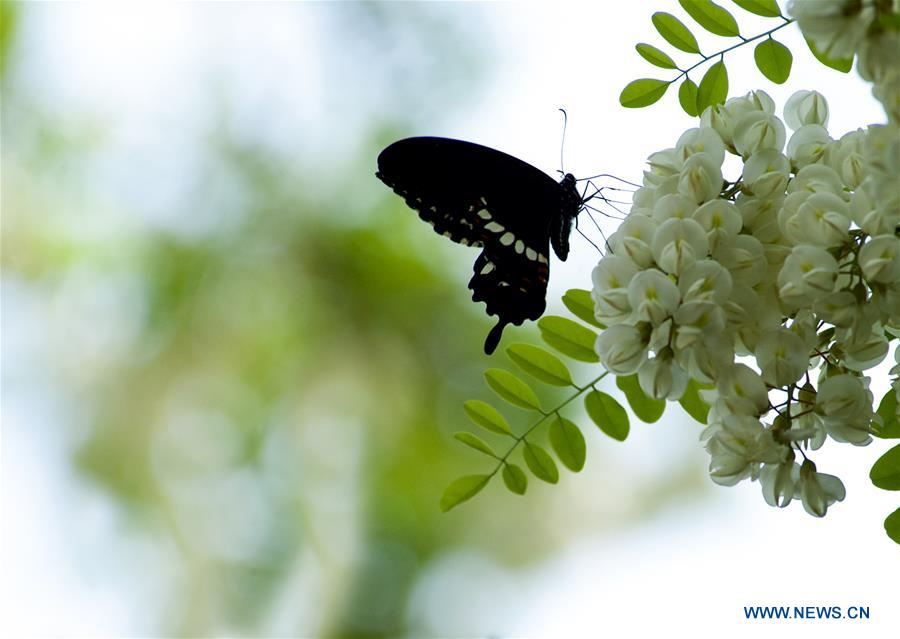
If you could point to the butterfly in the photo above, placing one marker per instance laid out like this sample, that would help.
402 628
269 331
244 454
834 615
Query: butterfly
478 196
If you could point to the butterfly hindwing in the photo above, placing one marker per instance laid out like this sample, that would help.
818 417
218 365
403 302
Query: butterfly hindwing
513 286
477 196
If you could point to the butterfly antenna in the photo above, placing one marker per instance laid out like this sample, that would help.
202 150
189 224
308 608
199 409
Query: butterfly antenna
562 146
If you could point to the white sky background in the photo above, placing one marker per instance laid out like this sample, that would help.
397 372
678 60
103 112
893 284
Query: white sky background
691 569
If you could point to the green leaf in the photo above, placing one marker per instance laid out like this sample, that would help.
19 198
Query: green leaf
674 32
608 414
581 305
643 92
764 8
486 416
693 404
885 471
462 489
540 463
568 443
474 441
512 389
515 479
713 87
540 364
687 96
892 525
774 60
569 338
648 410
655 56
838 64
890 416
711 17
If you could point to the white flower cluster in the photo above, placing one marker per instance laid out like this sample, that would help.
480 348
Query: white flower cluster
793 267
867 29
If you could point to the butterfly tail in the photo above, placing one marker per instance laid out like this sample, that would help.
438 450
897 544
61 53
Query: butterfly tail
493 338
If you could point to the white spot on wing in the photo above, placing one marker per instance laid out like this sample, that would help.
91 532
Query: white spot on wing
507 238
493 227
484 214
487 268
520 246
531 254
542 258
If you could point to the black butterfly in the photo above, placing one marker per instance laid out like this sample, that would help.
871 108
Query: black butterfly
479 196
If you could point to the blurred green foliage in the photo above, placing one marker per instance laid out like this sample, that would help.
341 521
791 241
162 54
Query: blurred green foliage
270 399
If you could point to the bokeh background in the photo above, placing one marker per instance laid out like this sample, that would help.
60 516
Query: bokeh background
232 361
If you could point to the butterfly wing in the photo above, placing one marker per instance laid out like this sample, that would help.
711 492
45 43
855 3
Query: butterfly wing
481 197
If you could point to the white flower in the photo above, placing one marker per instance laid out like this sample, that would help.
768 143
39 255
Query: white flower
805 107
663 164
720 219
766 173
887 91
864 350
705 280
760 215
757 131
611 278
744 258
835 26
818 490
822 219
632 239
653 296
738 445
700 179
873 216
697 321
622 349
742 390
782 356
703 140
878 53
723 117
846 157
816 178
837 308
879 258
808 145
779 482
704 359
662 378
808 274
844 398
678 244
673 205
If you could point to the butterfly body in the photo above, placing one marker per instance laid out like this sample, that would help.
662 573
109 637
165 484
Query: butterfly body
478 196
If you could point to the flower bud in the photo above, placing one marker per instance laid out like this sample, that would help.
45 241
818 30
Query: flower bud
758 131
806 107
700 179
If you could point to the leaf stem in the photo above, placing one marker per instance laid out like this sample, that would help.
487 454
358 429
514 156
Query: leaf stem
707 58
544 415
